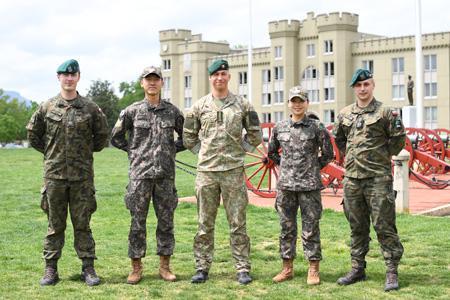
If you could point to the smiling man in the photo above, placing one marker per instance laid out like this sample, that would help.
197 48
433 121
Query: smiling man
305 149
67 129
145 130
369 134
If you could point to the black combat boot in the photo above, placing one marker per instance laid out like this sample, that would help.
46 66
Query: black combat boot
244 278
391 277
357 273
199 277
51 273
88 274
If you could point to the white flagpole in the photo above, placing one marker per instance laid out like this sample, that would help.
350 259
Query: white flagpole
419 66
249 54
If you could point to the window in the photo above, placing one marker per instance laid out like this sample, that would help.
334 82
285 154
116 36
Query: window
368 65
242 78
187 102
310 50
187 61
278 97
329 68
328 46
310 73
313 96
278 116
166 86
278 54
328 116
278 73
398 65
166 64
398 91
266 117
329 94
430 117
266 99
187 82
430 75
430 89
265 76
429 62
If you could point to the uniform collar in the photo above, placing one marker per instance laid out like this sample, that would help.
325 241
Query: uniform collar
228 101
369 108
77 102
161 105
304 122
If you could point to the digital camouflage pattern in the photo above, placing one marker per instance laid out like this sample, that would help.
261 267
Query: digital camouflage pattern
372 199
214 132
79 196
165 201
67 133
306 148
369 137
150 143
209 187
287 204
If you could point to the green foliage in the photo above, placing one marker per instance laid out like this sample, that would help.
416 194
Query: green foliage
102 93
423 272
132 92
14 116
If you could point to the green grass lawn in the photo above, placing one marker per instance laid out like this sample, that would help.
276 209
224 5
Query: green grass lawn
424 270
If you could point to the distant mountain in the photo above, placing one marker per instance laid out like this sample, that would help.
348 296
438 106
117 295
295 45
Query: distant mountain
15 95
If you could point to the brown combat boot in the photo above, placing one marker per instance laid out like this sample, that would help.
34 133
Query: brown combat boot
286 273
164 269
313 273
136 272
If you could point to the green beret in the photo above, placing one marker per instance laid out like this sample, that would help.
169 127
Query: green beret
217 65
69 66
360 75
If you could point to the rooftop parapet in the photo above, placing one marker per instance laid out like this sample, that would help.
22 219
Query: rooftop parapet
176 34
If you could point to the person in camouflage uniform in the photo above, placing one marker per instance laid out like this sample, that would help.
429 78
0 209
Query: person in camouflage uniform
67 129
145 130
369 134
213 130
306 148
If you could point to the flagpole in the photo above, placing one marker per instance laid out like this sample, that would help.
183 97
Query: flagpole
419 67
249 54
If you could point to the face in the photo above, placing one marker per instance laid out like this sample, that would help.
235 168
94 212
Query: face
219 80
69 81
152 85
364 90
298 107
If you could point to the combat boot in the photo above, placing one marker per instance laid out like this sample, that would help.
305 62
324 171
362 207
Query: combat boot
244 278
391 278
313 273
164 269
136 272
357 273
199 277
50 273
286 273
89 276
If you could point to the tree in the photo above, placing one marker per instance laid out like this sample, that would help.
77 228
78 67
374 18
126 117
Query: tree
102 93
132 92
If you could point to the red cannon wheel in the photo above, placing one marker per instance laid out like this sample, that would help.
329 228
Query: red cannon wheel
422 142
260 171
444 134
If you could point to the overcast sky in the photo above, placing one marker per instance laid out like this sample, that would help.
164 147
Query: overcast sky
114 40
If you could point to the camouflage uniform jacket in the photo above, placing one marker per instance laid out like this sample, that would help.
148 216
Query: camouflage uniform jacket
150 143
369 137
300 143
67 132
215 133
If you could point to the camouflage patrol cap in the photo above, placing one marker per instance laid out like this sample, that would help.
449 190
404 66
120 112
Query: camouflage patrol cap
151 70
217 65
360 75
69 66
298 92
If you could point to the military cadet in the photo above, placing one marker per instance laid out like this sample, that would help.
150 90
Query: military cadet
67 129
306 148
369 134
214 130
145 130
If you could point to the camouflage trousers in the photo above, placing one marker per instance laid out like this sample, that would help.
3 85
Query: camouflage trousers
165 200
287 204
209 187
59 197
372 198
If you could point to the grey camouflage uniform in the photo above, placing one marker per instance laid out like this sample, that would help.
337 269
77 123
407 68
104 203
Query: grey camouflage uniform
151 151
306 148
369 137
67 133
215 133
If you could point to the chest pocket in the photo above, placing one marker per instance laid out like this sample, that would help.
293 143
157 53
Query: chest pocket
167 124
54 121
284 135
306 135
141 124
82 121
373 127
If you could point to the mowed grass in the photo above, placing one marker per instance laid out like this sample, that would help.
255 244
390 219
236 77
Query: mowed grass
424 271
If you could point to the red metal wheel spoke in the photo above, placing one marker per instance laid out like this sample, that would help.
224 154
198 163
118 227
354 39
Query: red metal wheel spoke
253 164
255 155
262 178
254 173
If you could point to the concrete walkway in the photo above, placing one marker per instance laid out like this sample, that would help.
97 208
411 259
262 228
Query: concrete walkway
421 198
